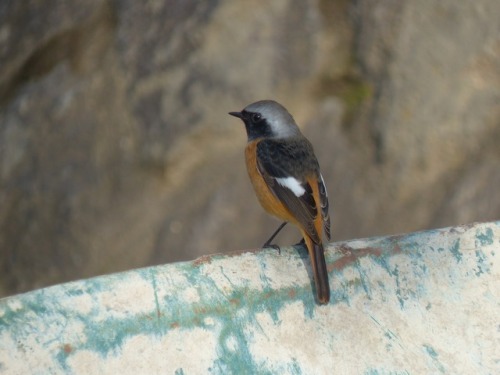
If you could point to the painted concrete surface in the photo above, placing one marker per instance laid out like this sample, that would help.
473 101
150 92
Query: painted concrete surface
423 303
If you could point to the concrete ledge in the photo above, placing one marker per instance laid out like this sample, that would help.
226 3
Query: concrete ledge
422 303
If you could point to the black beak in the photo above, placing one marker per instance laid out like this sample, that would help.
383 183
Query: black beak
236 114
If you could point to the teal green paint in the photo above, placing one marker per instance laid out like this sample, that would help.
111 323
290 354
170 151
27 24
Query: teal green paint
110 334
434 357
340 291
419 269
399 294
76 292
227 313
61 358
375 320
411 248
389 334
295 367
430 350
309 306
157 303
484 238
412 244
455 251
363 278
383 261
116 331
17 321
234 360
263 369
268 291
228 279
482 263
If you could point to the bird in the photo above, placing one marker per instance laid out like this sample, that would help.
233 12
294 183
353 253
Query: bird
286 177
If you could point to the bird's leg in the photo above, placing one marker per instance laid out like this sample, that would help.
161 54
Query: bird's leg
268 242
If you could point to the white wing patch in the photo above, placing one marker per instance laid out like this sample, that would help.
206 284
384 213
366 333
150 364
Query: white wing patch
292 184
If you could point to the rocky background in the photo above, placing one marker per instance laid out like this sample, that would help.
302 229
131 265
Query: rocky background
116 150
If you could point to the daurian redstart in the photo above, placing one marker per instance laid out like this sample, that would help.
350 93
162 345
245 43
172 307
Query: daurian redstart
285 175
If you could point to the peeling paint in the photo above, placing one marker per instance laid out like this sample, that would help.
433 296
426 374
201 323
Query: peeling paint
485 237
425 302
455 250
434 356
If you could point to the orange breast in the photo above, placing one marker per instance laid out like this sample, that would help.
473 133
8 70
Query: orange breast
266 197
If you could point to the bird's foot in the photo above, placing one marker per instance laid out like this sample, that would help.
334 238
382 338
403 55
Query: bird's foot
272 246
301 243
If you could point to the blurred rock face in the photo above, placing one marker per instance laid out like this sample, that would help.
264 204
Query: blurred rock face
116 150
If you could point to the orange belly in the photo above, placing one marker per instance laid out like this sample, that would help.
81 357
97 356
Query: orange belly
266 197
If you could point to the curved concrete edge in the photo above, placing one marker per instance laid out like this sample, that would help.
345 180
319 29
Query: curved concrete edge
424 302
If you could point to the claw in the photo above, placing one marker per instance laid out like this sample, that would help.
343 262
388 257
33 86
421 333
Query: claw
272 246
268 242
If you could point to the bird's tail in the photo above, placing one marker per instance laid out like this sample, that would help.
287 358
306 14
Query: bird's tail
317 255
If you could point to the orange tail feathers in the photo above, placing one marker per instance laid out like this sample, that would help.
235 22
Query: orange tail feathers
317 255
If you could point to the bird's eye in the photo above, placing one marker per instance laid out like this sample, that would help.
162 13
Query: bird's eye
256 117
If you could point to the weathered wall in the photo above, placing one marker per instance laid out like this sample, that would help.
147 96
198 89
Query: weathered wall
116 150
420 303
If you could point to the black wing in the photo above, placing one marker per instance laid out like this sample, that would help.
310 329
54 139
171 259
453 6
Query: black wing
277 159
